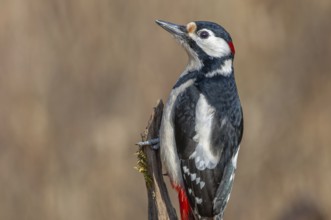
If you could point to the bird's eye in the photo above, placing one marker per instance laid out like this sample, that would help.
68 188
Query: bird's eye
204 34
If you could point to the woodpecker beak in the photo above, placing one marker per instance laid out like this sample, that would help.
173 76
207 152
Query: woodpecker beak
174 29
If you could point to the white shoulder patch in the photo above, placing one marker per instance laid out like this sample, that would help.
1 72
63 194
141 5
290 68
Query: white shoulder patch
203 156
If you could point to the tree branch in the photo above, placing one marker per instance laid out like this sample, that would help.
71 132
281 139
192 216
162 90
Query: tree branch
149 163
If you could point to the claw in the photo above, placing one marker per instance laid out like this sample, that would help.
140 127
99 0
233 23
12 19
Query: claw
154 143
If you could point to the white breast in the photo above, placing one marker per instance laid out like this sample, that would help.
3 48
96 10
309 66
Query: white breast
168 148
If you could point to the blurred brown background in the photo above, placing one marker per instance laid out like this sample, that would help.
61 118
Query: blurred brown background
78 80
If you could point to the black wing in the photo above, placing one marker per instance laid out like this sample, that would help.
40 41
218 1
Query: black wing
202 186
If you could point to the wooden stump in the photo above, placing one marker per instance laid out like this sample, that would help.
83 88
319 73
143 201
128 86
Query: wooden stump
149 163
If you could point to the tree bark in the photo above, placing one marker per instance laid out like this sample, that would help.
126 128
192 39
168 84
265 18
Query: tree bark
149 163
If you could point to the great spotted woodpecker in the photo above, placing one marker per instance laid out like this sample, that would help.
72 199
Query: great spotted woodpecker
202 123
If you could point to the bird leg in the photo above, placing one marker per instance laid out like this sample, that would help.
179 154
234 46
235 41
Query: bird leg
154 143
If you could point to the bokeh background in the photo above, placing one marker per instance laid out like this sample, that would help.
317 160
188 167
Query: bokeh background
78 80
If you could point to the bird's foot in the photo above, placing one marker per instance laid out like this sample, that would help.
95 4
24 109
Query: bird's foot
154 143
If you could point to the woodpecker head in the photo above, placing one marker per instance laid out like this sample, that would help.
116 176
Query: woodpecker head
203 40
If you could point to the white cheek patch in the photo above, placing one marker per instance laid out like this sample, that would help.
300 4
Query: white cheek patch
213 46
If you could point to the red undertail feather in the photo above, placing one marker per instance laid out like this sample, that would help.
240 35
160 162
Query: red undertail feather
185 209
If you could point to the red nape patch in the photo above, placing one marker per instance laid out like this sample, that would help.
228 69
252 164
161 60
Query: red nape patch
184 205
233 51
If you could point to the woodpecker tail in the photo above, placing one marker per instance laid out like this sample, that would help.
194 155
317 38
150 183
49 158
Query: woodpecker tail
184 205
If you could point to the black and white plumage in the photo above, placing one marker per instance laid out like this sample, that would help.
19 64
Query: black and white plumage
202 123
